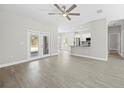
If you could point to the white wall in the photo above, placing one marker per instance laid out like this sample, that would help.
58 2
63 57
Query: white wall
1 38
99 43
122 39
54 40
13 29
123 44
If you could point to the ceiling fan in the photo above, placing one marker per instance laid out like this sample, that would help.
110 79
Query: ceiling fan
65 12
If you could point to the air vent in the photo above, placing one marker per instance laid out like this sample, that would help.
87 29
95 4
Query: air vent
99 11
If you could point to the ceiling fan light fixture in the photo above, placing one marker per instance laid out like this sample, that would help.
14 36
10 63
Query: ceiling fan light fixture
65 12
64 15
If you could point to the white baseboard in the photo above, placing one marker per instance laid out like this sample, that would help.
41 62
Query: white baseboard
122 55
96 58
24 61
54 54
13 63
18 62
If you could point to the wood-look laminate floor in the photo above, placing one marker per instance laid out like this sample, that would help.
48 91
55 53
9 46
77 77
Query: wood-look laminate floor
65 71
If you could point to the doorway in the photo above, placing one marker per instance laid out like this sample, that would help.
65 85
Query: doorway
38 45
45 44
114 43
116 38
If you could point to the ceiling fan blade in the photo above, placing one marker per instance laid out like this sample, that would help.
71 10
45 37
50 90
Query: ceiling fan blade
68 18
54 13
71 8
74 14
57 6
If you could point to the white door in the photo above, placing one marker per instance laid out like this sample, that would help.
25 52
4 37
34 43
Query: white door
45 44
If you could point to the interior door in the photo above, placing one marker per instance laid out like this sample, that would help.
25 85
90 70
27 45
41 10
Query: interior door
45 44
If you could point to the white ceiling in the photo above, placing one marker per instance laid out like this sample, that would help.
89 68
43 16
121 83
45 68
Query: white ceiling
40 12
88 12
35 11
